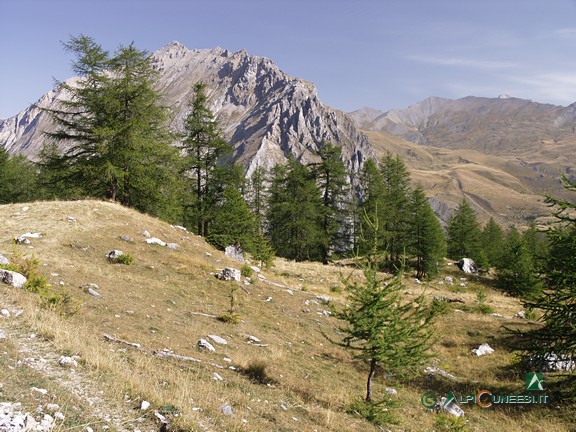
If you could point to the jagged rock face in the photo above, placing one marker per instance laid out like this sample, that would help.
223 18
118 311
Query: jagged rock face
262 111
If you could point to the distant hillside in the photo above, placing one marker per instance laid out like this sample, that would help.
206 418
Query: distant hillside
501 153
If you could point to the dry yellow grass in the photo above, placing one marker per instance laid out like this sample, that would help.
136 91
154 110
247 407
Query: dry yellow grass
157 303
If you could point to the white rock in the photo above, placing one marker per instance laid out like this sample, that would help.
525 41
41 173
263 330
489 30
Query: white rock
145 233
154 240
173 246
4 260
217 377
467 265
144 405
71 219
483 349
2 334
113 255
226 409
67 362
449 279
17 312
5 313
39 390
253 339
390 390
203 343
22 240
255 269
31 235
324 298
218 339
59 416
521 315
52 407
229 274
12 278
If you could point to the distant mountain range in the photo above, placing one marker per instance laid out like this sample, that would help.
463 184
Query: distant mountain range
499 153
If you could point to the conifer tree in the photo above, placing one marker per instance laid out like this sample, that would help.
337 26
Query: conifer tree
205 162
18 179
427 243
330 174
516 272
114 130
295 213
556 340
463 234
492 241
372 197
379 325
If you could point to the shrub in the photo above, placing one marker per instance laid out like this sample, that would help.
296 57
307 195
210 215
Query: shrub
126 259
256 371
439 307
246 271
233 318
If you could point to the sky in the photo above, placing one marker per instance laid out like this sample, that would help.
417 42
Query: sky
385 54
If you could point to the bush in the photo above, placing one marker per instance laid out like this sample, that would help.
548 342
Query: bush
439 307
233 318
246 271
126 259
256 371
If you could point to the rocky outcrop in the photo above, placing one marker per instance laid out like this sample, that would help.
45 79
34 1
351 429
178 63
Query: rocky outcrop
263 112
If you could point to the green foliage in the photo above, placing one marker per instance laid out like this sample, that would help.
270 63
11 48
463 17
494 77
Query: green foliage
230 318
126 259
463 234
427 243
246 271
204 165
295 213
557 299
515 274
377 413
262 251
492 242
380 327
330 174
439 307
114 131
449 423
18 179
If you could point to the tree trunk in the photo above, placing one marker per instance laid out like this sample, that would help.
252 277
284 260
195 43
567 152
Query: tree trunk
369 382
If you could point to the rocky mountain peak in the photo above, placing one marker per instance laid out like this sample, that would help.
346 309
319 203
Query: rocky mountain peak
265 113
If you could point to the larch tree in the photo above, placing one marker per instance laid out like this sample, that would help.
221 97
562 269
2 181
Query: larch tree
463 233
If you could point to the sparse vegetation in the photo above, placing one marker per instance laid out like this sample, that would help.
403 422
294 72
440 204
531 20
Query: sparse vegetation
126 259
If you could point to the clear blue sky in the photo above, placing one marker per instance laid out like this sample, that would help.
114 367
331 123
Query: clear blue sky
380 53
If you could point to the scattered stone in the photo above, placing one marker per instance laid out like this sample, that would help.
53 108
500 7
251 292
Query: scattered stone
17 312
21 240
4 260
449 279
144 405
227 359
483 349
126 238
208 254
71 219
226 409
179 227
261 276
52 407
521 315
218 339
229 274
145 233
113 255
390 390
154 240
203 343
234 252
12 278
89 289
255 269
551 362
283 407
290 292
25 209
417 280
324 298
67 361
496 314
448 299
59 416
433 370
467 265
173 246
2 334
216 377
253 339
5 313
31 235
39 390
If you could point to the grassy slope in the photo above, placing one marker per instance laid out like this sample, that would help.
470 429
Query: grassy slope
500 186
163 290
